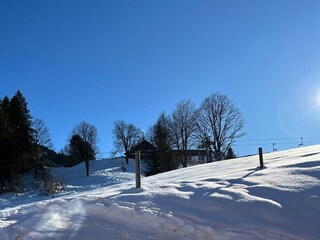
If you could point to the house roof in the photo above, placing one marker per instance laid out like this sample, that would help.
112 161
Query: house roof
144 146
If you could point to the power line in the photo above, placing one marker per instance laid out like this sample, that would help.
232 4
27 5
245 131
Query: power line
299 141
265 139
278 139
264 144
275 139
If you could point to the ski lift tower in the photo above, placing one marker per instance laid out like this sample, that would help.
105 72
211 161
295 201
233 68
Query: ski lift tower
301 144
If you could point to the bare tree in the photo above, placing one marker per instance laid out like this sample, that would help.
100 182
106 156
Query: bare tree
183 127
88 133
42 139
125 136
220 123
41 134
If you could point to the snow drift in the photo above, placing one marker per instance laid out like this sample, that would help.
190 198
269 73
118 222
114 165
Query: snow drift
231 199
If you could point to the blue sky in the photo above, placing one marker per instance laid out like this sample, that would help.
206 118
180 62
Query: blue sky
101 61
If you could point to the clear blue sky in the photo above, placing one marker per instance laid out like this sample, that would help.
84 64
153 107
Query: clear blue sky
101 61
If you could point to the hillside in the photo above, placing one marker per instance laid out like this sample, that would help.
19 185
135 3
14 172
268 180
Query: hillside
222 200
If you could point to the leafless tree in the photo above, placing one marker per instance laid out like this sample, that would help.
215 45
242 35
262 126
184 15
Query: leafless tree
88 133
41 138
220 123
41 134
125 136
183 128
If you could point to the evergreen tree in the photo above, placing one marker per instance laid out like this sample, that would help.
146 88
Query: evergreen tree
160 135
6 143
20 122
16 139
80 151
230 154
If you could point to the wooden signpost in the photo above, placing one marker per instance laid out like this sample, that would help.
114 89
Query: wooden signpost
138 169
261 158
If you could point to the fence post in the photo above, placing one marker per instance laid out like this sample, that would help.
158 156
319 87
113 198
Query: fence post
138 169
261 157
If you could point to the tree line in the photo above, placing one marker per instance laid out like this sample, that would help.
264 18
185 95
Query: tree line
214 126
16 139
25 143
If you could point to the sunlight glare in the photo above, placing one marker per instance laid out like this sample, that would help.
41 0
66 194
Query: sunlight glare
318 99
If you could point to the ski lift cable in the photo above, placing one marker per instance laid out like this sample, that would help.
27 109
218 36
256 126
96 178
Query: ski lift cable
265 144
275 139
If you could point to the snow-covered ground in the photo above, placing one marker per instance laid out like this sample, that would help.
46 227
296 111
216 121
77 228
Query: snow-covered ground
105 172
223 200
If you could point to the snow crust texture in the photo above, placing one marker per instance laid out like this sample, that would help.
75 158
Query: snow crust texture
232 199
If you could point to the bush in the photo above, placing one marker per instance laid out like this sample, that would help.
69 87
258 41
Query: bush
50 184
17 185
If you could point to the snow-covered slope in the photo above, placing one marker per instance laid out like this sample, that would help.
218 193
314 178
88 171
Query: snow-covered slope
223 200
104 172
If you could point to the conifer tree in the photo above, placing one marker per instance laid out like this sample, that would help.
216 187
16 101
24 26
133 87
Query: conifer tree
160 135
80 151
20 122
6 143
230 153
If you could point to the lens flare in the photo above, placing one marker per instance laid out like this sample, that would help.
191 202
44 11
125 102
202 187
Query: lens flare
318 99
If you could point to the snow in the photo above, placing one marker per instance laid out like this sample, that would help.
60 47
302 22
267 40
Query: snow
231 199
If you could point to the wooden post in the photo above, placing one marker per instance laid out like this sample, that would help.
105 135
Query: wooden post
138 169
261 158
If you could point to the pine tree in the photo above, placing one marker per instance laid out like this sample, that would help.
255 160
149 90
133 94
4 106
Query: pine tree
230 154
162 159
20 122
6 143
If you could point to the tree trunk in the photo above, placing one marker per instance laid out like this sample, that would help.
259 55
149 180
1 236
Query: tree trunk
185 161
127 158
2 184
36 172
87 167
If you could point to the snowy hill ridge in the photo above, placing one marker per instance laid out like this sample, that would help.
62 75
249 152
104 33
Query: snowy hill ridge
222 200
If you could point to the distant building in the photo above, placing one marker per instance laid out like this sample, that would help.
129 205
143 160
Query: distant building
194 156
145 148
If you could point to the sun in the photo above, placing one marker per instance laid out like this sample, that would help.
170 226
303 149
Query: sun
318 99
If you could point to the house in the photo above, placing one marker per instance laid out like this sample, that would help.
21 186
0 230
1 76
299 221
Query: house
145 148
194 156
